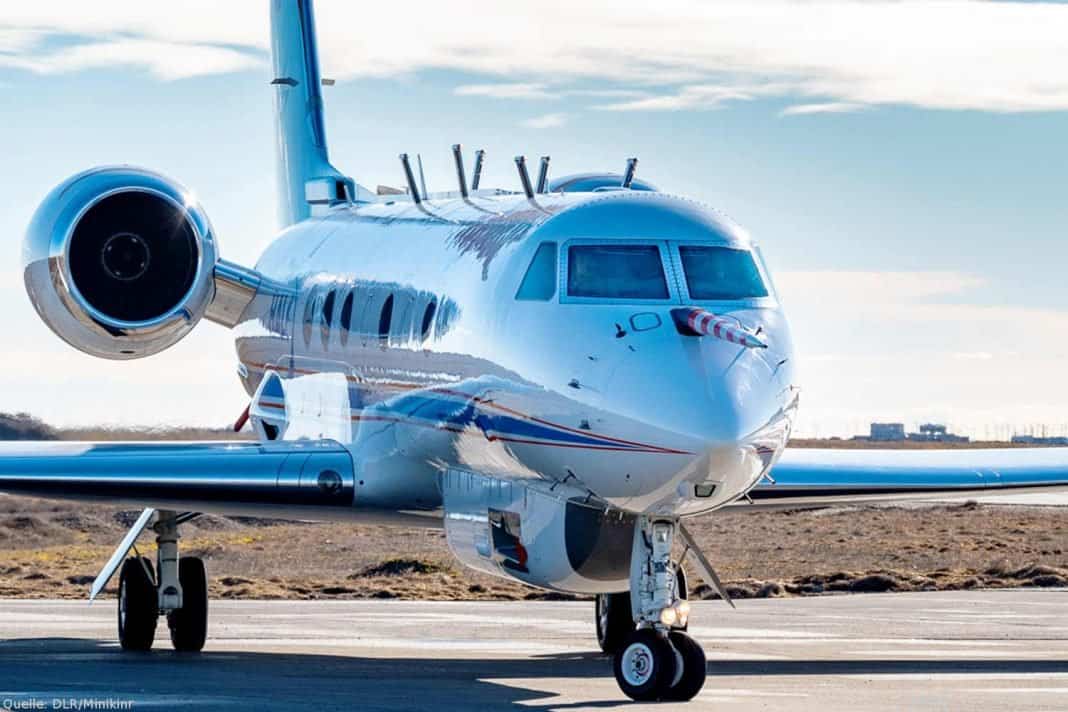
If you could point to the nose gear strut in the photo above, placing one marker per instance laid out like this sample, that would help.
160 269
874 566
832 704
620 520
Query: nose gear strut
658 660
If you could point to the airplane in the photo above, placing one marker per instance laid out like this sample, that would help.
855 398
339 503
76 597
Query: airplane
559 376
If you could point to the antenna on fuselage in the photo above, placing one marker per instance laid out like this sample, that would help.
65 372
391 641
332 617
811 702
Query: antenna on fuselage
476 175
543 175
524 177
628 175
422 178
409 177
458 156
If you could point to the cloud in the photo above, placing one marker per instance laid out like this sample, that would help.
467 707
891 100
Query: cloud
506 91
942 300
693 97
821 54
830 107
235 23
542 91
17 40
973 356
874 287
166 60
607 93
546 121
919 346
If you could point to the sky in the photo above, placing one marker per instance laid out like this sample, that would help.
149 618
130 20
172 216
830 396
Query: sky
902 164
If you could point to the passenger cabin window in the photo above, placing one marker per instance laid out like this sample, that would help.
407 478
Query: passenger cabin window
721 273
310 309
328 316
385 318
428 318
328 308
346 317
616 272
539 283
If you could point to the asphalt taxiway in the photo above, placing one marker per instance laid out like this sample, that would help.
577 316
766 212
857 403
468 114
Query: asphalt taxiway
961 650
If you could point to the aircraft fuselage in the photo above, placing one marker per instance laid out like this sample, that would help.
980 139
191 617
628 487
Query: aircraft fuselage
416 305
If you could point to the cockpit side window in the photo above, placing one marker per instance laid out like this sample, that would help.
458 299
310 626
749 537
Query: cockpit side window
721 273
616 272
539 283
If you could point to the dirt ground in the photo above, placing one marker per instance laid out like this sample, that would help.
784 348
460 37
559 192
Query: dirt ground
53 550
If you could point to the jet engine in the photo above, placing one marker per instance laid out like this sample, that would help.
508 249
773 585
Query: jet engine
120 262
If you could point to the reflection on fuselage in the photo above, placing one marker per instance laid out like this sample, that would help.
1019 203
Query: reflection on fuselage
446 368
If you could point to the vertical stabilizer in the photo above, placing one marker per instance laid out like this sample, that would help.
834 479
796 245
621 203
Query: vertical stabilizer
306 178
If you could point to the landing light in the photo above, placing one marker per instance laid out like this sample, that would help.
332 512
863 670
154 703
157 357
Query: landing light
676 615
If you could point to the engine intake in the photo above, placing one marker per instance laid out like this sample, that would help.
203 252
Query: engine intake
119 262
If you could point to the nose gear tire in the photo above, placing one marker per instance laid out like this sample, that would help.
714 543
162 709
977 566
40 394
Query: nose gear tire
645 666
692 679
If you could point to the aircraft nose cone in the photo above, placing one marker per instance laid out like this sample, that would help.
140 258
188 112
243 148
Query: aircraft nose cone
728 398
719 407
730 411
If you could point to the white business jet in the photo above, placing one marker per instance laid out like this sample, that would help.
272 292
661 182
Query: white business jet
559 376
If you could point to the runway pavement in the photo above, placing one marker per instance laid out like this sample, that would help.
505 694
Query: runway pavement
962 650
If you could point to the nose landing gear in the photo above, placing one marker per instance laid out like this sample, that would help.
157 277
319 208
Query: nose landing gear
612 615
656 659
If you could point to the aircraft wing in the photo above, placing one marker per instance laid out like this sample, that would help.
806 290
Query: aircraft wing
833 476
223 477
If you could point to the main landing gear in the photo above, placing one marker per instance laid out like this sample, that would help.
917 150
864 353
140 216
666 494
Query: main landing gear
177 588
654 658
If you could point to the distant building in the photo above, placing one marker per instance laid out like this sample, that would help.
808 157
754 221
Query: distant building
936 433
895 433
1033 440
887 432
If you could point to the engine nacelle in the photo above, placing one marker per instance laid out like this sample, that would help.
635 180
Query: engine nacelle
119 262
539 533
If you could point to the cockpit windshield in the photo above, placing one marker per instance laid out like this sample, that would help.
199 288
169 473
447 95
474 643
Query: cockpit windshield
715 273
616 272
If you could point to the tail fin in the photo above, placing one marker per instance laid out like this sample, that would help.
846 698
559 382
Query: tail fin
305 176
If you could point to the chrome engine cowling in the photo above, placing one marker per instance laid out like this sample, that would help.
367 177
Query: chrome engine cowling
119 262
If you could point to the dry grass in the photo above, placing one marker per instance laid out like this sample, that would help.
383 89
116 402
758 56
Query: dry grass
53 550
94 433
838 444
